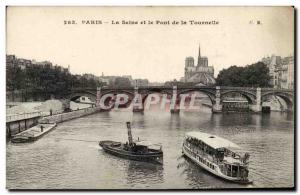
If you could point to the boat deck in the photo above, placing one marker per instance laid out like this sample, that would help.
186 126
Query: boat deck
119 146
119 149
33 133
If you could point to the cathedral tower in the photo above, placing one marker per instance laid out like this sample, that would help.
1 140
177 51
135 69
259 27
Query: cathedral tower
202 61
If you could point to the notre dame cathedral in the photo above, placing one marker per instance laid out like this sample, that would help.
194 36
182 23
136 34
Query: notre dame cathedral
202 74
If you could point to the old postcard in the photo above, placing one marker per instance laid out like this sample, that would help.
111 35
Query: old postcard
150 98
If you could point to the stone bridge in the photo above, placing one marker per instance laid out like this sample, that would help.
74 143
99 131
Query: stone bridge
254 96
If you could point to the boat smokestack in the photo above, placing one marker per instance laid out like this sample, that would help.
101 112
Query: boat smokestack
129 133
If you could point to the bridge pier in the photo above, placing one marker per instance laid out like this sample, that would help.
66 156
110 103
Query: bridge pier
174 107
137 102
98 96
290 108
217 106
257 107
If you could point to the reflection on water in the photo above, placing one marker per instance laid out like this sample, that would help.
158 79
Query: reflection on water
69 156
144 173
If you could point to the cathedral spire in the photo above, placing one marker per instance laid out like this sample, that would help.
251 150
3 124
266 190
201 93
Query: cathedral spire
199 56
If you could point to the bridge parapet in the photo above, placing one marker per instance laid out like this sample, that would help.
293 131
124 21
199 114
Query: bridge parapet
288 92
237 88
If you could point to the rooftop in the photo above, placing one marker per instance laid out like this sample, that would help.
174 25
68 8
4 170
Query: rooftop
212 140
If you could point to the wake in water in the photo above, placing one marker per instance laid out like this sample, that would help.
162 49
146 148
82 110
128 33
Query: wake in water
81 140
181 162
95 146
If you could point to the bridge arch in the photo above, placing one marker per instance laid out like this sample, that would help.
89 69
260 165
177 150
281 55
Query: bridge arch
75 95
251 97
115 92
146 93
211 95
286 96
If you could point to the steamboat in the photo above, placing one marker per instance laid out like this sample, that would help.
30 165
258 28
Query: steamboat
218 156
134 150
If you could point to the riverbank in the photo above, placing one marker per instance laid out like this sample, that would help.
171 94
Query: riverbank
18 126
46 108
58 118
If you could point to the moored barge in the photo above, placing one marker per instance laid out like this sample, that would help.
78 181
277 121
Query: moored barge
33 133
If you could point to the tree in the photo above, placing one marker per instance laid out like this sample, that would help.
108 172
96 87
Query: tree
46 79
122 82
15 78
230 76
254 75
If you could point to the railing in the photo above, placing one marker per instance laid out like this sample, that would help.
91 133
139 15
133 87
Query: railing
179 87
16 117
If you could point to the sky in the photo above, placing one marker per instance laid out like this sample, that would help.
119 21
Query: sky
154 51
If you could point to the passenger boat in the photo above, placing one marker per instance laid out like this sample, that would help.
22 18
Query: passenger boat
33 133
218 156
134 150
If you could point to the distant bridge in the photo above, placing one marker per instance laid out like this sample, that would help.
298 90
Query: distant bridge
254 96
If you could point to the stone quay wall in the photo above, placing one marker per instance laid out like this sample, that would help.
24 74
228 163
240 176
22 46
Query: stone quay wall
58 118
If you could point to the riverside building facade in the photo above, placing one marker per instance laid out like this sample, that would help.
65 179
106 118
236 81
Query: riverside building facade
281 71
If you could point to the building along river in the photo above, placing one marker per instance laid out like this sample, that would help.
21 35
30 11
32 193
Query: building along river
70 157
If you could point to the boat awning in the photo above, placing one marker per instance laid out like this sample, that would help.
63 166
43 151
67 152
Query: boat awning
212 140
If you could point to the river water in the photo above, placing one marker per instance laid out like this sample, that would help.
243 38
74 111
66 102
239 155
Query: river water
69 156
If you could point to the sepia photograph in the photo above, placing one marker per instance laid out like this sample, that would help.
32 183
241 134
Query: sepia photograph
150 98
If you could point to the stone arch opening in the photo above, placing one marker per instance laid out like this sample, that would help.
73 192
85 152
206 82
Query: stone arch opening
251 98
286 97
162 103
88 100
110 101
154 91
209 94
237 101
74 98
76 95
203 100
115 92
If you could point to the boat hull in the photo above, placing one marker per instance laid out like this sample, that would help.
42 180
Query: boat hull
215 172
23 138
153 157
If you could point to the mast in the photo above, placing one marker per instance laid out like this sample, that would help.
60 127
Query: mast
129 133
